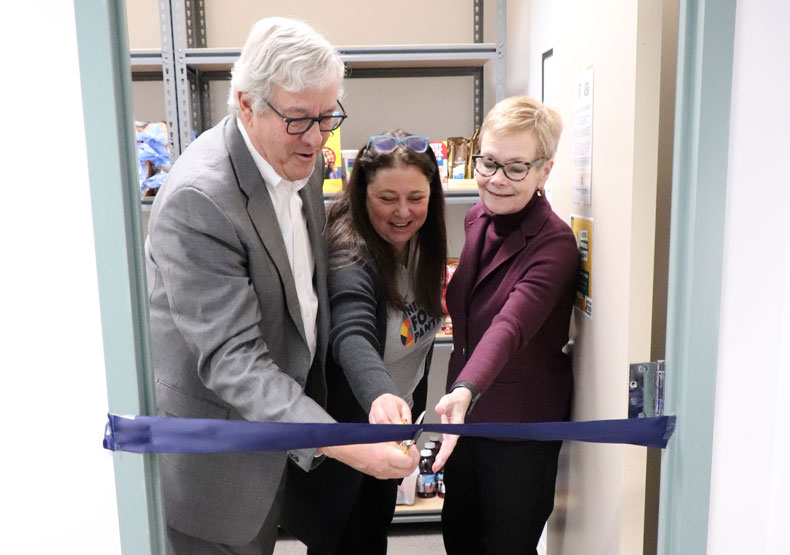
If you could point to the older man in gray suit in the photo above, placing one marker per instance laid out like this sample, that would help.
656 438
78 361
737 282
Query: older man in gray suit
236 264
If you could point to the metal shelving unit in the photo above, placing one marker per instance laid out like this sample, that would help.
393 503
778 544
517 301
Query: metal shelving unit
423 510
186 66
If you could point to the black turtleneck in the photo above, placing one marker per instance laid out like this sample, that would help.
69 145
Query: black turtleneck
498 228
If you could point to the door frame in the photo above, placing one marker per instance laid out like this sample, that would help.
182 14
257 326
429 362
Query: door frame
103 49
704 80
706 34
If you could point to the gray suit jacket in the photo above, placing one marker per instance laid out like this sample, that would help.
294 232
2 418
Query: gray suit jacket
226 330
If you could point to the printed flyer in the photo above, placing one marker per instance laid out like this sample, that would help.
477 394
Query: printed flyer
583 230
333 180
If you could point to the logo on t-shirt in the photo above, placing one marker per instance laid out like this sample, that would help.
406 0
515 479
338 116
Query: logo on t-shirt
416 323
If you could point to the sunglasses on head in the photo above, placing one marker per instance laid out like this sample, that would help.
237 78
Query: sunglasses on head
387 143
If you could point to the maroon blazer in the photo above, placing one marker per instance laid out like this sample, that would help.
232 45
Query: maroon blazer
510 325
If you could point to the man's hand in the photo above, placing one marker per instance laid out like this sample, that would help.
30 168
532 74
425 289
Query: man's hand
389 409
452 410
380 460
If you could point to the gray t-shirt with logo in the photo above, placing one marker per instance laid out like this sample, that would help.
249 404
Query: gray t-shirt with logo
410 333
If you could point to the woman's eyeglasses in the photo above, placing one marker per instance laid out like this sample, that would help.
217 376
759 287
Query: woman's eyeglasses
387 143
515 171
299 126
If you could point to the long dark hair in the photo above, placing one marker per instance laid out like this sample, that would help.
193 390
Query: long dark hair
352 237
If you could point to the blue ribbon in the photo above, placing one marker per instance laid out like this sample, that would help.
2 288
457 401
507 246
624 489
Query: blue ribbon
159 434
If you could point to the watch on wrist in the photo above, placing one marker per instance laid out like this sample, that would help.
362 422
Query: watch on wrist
475 394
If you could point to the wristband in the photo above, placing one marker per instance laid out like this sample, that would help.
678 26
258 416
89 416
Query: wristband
475 394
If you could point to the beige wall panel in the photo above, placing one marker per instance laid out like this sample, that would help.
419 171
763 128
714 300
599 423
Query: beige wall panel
142 20
438 107
219 91
149 100
347 22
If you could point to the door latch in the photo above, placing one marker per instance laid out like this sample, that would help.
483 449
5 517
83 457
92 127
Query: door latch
646 389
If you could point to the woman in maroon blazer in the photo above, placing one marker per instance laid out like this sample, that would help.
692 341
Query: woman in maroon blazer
510 300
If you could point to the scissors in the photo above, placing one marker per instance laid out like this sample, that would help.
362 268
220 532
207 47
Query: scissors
404 446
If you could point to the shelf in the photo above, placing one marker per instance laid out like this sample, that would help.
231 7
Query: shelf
440 55
450 197
368 61
146 60
457 196
423 510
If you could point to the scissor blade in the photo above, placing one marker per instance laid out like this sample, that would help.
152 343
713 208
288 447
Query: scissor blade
418 432
409 442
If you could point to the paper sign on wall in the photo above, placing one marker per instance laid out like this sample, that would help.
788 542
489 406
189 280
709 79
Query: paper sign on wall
581 163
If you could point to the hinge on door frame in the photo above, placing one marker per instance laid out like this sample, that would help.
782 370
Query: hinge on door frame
646 389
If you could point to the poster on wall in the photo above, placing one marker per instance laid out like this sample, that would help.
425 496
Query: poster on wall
583 230
581 170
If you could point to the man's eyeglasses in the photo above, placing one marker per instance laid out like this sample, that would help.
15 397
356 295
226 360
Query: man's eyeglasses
387 143
298 126
515 171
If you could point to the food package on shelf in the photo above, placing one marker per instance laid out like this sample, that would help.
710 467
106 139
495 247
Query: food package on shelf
457 154
440 151
460 170
347 157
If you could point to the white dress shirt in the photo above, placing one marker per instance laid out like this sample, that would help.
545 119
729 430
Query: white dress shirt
290 216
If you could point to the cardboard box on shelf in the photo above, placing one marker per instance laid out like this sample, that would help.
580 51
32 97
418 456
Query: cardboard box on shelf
440 151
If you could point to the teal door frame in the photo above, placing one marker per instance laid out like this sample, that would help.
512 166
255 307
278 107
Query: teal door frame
102 43
705 50
706 33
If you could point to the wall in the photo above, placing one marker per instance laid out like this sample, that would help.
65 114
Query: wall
601 488
438 107
58 491
751 444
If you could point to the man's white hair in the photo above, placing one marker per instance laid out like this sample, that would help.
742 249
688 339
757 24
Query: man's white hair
287 53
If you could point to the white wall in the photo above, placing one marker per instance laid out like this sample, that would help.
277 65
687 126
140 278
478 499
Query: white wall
58 491
600 501
750 488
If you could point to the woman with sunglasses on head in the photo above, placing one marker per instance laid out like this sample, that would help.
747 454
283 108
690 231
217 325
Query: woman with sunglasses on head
510 301
387 257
